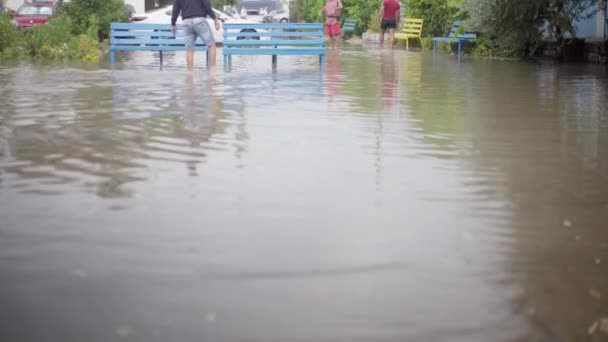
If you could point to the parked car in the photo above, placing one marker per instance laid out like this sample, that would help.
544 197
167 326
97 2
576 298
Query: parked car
232 12
255 16
280 16
33 13
256 5
163 16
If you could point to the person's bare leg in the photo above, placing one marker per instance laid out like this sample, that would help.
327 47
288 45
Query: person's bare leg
212 55
190 59
337 37
391 34
381 38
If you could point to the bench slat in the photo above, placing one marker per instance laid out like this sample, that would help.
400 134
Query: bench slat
144 34
268 26
123 41
141 26
454 39
270 51
273 34
229 43
155 48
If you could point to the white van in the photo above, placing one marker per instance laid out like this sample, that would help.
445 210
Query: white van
264 10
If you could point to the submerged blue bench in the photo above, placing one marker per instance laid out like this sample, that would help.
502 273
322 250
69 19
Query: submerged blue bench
453 38
273 40
148 37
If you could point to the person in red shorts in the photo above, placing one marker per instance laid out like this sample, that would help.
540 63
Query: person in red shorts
389 13
332 23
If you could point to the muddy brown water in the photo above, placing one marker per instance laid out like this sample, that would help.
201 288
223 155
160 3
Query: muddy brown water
391 197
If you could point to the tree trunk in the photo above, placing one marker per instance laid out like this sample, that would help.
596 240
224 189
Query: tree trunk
559 43
150 5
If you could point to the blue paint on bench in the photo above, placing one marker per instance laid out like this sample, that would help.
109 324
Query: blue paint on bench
148 37
273 39
452 38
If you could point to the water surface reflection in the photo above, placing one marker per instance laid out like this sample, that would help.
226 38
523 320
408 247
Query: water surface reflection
394 196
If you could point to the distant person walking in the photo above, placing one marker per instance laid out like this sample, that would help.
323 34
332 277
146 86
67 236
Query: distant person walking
194 18
332 23
389 12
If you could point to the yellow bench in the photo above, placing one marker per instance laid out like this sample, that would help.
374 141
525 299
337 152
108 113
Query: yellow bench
412 28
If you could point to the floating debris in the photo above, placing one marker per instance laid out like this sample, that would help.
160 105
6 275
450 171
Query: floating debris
600 325
593 328
598 261
567 223
577 238
595 294
604 325
210 317
124 331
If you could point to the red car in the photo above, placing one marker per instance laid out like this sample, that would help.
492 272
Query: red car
33 13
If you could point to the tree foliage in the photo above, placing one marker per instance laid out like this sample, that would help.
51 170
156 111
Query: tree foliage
83 12
518 27
362 10
438 15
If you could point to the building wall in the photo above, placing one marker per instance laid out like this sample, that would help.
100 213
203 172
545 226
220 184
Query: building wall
140 5
592 28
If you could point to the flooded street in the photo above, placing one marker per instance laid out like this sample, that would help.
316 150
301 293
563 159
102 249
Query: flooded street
389 197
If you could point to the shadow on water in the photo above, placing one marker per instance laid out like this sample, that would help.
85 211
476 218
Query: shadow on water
394 196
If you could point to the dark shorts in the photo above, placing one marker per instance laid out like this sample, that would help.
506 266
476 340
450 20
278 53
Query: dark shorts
388 24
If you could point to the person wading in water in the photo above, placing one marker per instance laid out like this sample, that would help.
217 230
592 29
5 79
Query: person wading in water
194 18
332 23
389 12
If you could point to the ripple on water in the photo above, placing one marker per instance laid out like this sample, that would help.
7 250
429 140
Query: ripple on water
404 196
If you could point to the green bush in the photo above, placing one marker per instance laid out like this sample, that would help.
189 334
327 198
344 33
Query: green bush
55 41
8 34
58 31
82 12
32 40
84 47
486 47
363 10
438 15
518 28
48 41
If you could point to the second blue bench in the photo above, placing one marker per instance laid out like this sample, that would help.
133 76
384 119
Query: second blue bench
273 39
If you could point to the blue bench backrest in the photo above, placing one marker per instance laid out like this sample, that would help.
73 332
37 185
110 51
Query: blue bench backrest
273 34
455 27
349 24
150 37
